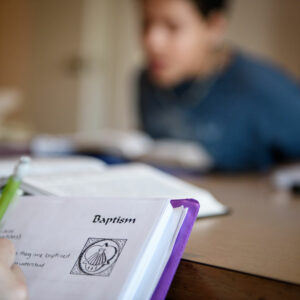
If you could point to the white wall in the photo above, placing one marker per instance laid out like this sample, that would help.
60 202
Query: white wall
269 28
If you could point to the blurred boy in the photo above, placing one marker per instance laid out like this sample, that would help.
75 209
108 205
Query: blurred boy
243 112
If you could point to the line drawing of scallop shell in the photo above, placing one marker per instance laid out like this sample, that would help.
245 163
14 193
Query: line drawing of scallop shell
98 256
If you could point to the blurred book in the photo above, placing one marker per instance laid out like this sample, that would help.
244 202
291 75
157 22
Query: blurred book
131 145
92 178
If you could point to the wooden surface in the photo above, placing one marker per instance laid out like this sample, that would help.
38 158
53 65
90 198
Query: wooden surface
261 236
198 281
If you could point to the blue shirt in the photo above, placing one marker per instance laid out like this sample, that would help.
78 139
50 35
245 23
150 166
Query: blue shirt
246 117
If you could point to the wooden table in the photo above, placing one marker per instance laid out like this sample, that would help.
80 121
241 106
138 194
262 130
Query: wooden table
253 253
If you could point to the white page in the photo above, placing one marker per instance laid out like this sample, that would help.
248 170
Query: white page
133 180
49 245
54 165
161 256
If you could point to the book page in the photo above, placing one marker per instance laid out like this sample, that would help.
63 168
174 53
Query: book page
133 180
80 248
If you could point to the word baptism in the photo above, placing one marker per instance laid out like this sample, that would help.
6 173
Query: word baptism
115 220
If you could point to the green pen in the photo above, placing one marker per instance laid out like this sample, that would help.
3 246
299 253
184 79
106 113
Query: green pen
11 188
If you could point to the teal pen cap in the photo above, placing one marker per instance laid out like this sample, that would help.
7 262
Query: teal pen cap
14 181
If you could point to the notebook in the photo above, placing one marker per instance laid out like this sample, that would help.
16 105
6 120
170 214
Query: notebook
69 177
99 248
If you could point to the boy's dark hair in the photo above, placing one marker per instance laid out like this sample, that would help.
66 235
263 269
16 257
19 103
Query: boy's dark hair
206 7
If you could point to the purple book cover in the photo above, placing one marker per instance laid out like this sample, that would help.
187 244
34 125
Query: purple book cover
167 276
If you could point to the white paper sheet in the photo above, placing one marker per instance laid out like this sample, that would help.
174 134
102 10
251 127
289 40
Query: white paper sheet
133 180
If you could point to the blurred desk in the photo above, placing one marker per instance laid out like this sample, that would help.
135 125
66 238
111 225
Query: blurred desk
253 253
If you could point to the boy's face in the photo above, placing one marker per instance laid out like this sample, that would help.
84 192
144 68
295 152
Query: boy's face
176 40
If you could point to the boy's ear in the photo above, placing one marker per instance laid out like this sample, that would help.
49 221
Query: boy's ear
217 25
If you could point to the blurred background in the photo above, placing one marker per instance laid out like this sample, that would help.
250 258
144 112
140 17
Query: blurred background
70 65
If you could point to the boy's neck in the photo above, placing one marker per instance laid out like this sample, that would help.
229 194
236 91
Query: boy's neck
216 61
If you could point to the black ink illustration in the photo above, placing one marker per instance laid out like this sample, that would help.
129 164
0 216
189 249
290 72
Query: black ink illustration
98 257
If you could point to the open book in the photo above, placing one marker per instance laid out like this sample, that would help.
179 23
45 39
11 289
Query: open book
90 177
99 248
